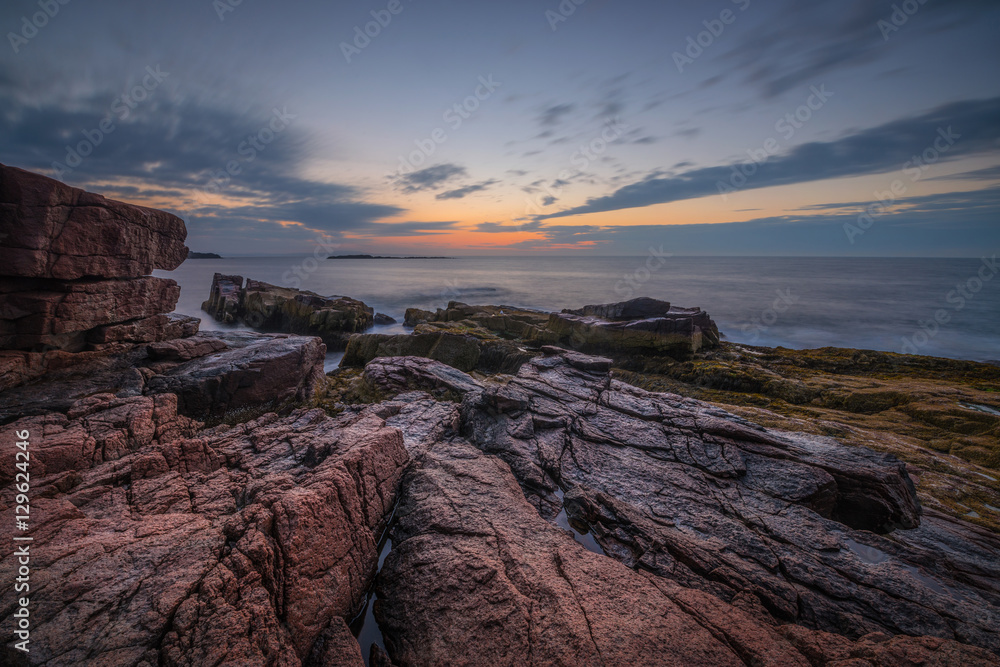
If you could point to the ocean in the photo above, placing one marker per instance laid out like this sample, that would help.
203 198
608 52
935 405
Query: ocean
939 307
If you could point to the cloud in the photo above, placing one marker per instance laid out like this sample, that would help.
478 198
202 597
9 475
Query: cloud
888 147
400 229
553 115
460 193
829 37
172 150
430 178
985 174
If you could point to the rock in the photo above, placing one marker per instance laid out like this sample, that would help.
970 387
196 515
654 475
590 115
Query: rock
167 544
51 230
636 309
378 658
254 370
627 329
399 374
694 495
456 350
383 319
641 326
267 307
146 330
477 577
224 299
185 349
61 314
527 325
462 348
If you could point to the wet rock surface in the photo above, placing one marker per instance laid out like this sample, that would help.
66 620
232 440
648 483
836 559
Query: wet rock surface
690 493
400 374
478 577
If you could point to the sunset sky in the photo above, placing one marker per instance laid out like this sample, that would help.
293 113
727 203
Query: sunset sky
521 127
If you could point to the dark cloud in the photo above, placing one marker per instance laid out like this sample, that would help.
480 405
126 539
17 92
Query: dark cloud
180 150
828 37
888 147
430 178
460 193
554 115
985 174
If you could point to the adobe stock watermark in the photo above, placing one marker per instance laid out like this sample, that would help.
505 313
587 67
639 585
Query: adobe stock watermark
698 44
586 154
31 26
899 17
630 283
786 126
455 116
300 272
121 108
248 150
914 168
957 299
562 12
223 7
769 316
363 36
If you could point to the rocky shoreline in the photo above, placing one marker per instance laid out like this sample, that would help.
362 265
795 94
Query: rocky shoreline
214 498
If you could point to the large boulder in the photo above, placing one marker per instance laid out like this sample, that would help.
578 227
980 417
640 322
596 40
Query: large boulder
267 307
456 350
459 346
254 370
400 374
51 230
637 327
66 314
158 543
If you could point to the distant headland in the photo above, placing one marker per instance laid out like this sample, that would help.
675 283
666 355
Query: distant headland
203 255
380 257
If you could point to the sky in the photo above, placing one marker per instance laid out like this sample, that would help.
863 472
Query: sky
426 127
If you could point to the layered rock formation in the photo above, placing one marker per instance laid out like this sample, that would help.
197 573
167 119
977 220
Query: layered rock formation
260 305
155 540
51 230
76 265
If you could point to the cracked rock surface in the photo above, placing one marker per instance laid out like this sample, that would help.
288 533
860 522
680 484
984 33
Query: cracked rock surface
478 577
684 491
165 544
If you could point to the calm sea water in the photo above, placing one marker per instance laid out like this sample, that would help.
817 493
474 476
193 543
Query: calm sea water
881 304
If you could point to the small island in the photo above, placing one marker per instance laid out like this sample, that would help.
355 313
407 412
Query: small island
202 255
380 257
